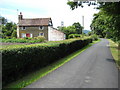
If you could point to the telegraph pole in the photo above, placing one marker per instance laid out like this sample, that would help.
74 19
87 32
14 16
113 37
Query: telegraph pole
82 23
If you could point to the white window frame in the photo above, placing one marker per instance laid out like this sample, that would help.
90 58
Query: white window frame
24 28
31 35
41 28
40 34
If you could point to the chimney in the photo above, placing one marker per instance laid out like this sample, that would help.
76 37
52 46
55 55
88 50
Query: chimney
20 17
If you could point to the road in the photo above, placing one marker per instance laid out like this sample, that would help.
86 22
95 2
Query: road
94 68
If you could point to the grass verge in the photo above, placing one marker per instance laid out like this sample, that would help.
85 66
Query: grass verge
23 82
115 52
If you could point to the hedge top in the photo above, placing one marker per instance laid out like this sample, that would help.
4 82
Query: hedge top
48 44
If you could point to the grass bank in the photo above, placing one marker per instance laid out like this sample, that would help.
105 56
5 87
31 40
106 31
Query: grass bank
115 52
32 77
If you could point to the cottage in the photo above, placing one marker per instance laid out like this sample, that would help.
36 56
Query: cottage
38 27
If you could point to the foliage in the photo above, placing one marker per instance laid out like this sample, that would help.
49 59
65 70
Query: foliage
74 36
19 61
107 22
106 25
94 37
14 34
3 20
76 28
98 24
110 8
42 38
8 29
90 33
75 4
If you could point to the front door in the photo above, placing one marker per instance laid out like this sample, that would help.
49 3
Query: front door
28 35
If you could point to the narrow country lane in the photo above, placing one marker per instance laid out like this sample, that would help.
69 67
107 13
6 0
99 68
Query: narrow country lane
94 68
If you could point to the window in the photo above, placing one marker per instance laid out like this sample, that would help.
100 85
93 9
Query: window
23 28
41 27
23 35
41 34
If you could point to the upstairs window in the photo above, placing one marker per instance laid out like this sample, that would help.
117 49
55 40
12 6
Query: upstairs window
41 27
23 28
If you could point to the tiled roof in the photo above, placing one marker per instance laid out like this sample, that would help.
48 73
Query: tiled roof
35 22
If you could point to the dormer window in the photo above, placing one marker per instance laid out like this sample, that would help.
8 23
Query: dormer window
41 27
23 28
41 34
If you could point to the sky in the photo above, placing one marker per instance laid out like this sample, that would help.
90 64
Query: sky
58 10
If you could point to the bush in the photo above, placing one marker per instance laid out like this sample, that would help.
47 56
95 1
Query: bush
41 38
19 61
94 37
74 36
14 34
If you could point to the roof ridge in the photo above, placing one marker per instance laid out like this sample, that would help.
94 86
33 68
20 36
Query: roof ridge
35 18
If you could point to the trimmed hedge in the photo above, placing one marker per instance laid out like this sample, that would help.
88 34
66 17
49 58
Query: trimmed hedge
16 62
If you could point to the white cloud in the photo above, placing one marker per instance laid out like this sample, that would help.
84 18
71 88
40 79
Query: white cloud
58 10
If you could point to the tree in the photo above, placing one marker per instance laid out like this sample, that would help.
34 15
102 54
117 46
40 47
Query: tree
68 30
106 24
75 4
14 34
98 24
78 28
3 20
8 29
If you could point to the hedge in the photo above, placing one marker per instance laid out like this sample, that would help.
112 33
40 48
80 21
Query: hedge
17 62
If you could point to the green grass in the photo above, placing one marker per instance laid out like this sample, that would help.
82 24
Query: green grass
114 51
32 77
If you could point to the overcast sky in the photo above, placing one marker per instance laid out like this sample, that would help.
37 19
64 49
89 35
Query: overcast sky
58 10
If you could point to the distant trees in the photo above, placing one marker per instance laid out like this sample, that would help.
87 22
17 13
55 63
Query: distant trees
3 20
8 29
76 28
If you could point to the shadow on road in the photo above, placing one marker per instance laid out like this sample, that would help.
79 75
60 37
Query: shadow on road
110 60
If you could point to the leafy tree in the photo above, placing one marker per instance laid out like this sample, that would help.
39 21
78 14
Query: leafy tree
73 5
8 29
3 20
14 34
98 24
78 27
68 30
